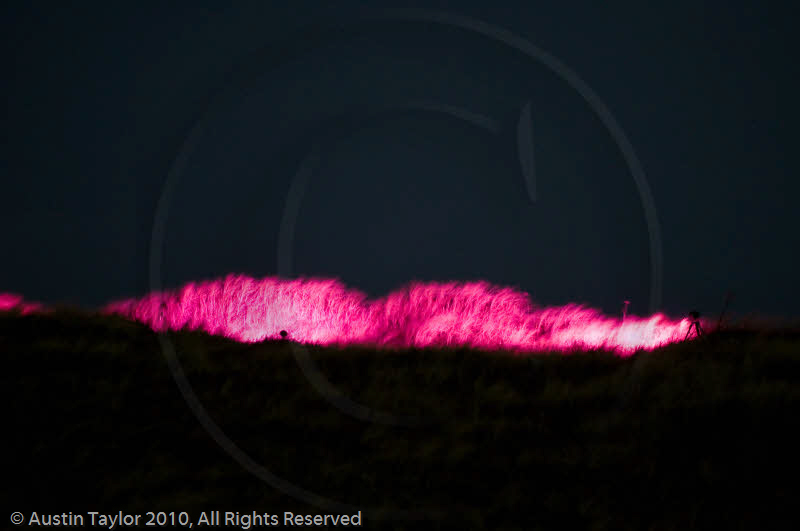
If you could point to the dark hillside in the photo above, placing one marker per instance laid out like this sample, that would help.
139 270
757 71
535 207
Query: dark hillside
701 435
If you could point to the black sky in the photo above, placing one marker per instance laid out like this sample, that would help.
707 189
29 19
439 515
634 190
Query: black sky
410 130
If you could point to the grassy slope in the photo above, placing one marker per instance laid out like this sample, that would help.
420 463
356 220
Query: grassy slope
696 435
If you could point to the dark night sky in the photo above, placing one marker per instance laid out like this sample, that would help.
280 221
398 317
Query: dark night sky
403 184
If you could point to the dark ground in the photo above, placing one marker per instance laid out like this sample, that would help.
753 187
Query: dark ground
700 435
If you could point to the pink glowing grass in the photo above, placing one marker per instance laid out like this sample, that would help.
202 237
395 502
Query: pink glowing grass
326 312
14 302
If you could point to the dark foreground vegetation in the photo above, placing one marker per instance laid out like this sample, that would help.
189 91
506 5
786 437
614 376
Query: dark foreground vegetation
702 435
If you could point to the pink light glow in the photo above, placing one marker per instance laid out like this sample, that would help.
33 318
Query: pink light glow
325 312
12 301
